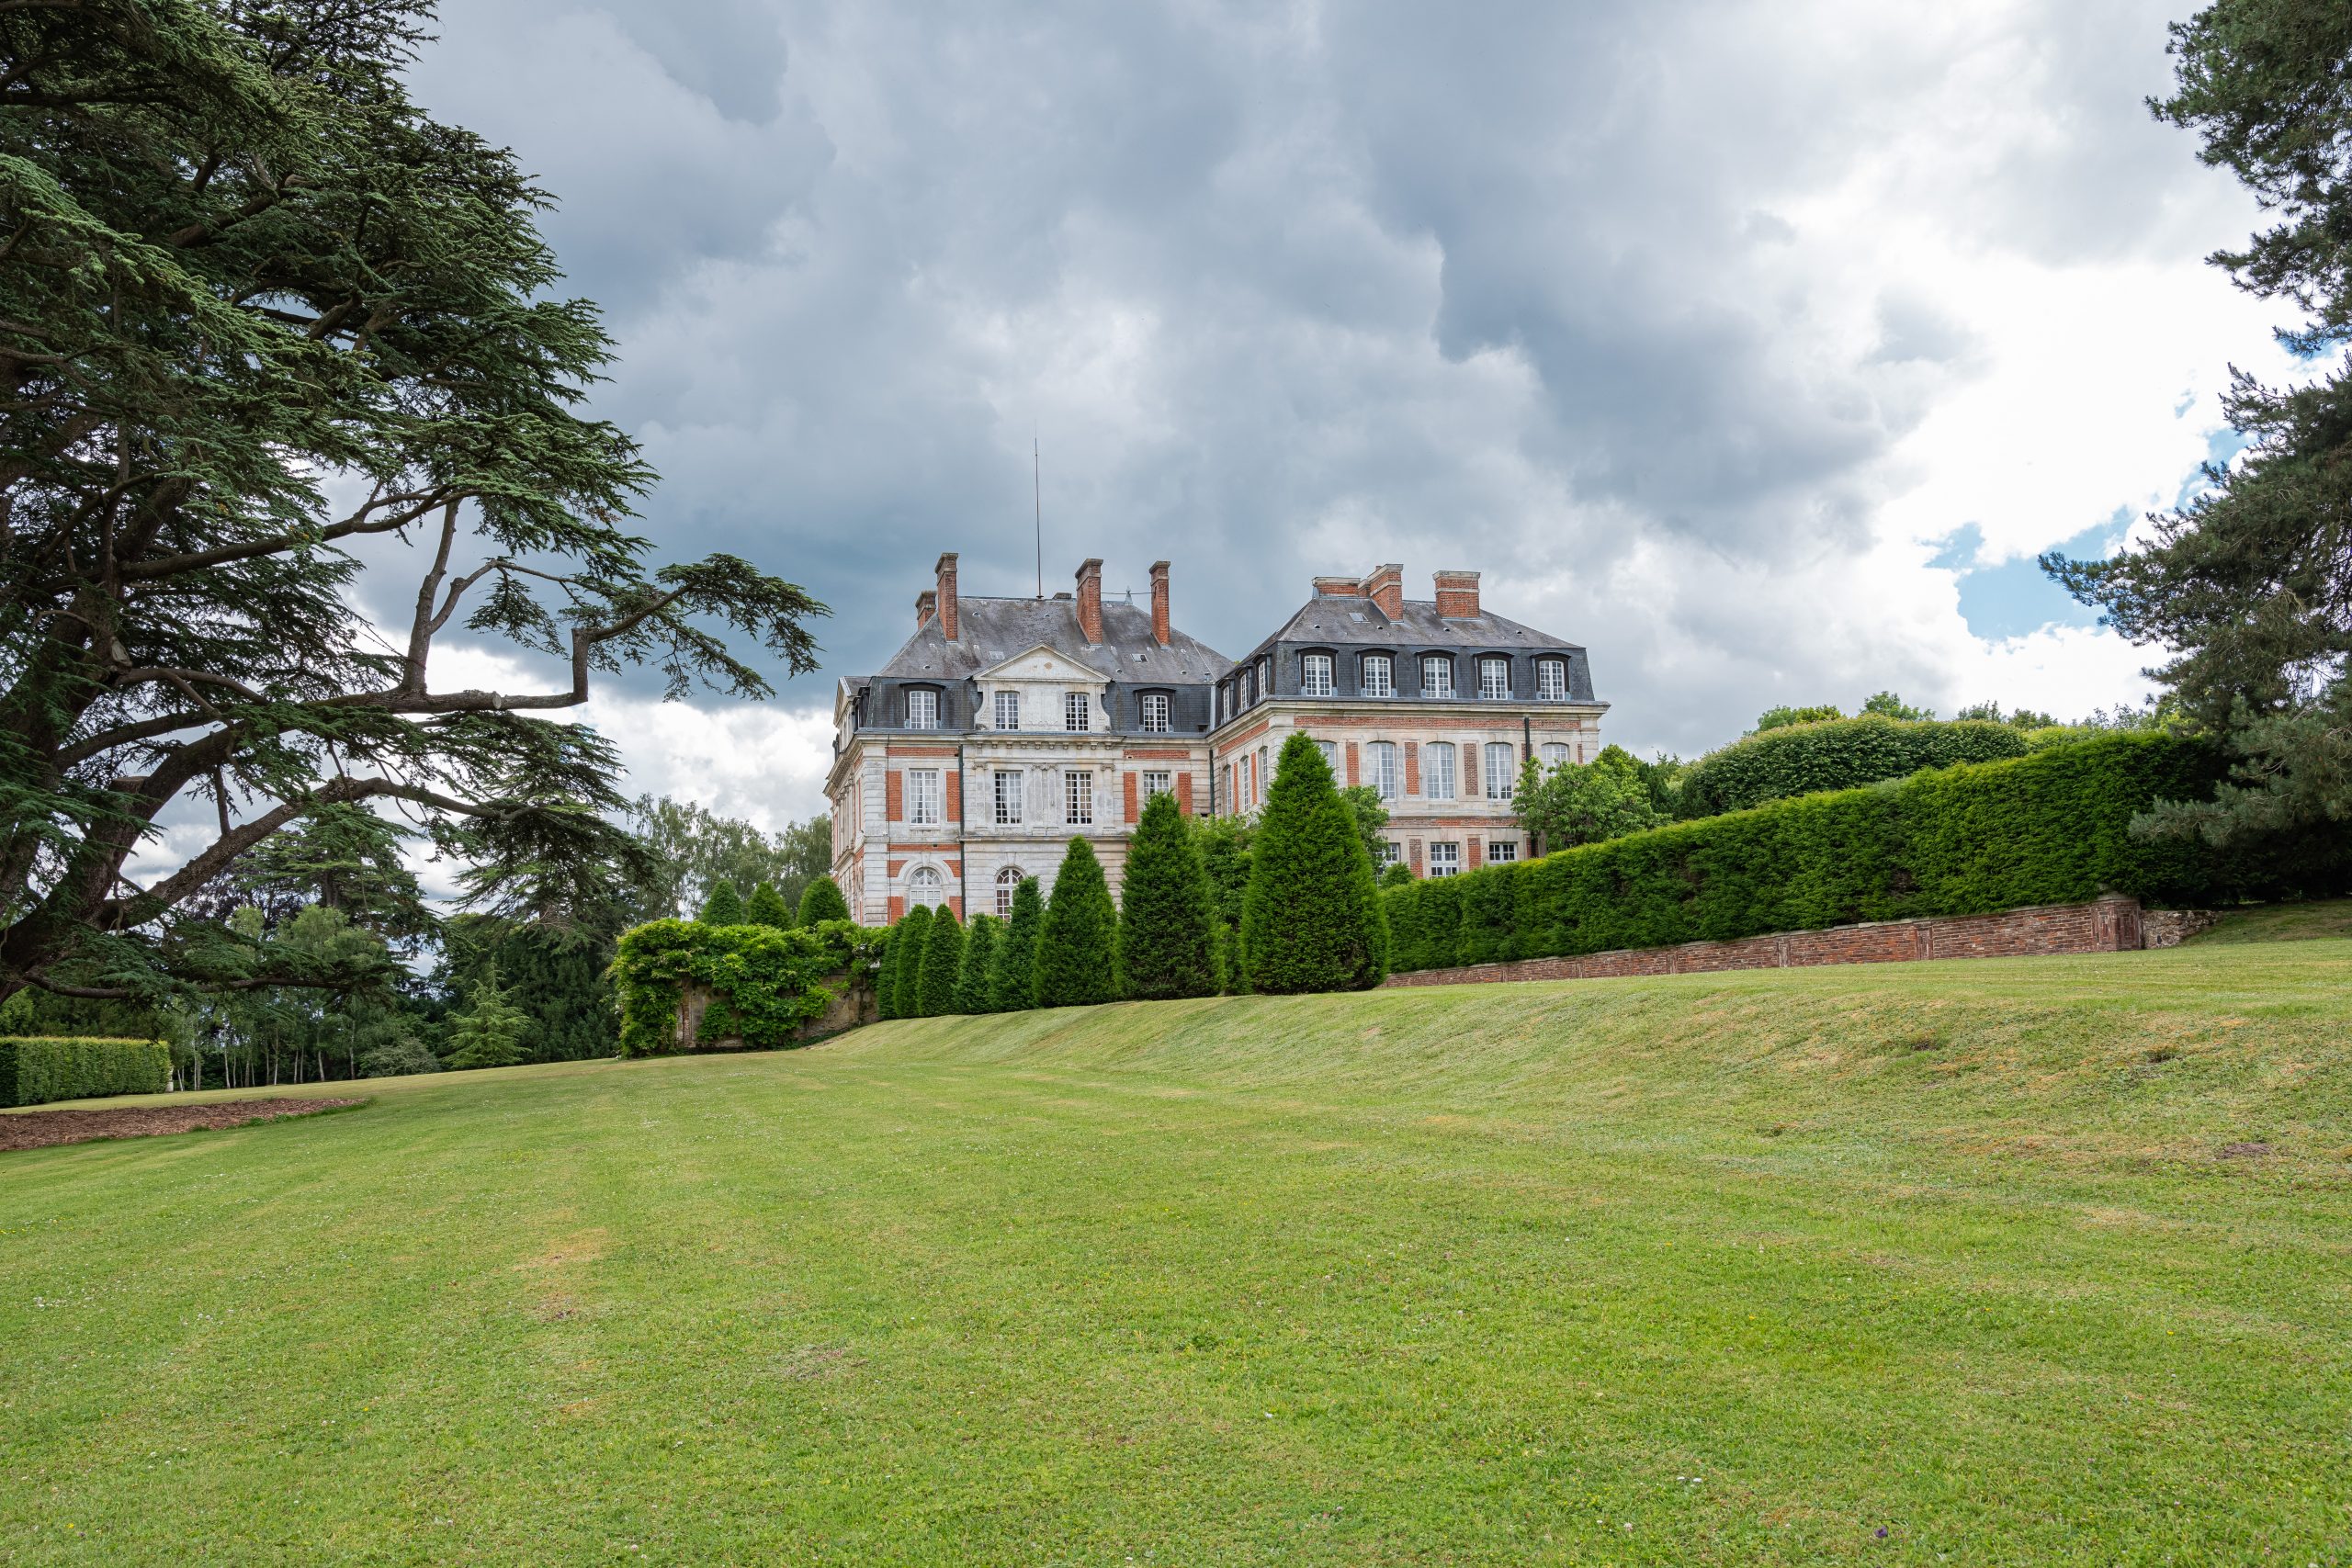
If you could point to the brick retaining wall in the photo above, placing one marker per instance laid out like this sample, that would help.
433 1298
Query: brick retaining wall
2113 924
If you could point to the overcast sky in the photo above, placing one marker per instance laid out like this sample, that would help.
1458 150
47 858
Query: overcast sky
1758 346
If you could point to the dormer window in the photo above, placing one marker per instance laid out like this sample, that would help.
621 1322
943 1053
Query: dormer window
1245 689
1379 675
1265 677
1155 713
1315 678
1552 680
1437 676
922 710
1494 679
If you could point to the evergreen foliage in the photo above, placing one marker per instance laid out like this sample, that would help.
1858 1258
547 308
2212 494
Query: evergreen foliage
766 907
555 977
822 901
2051 828
1312 920
1167 918
36 1071
1397 874
1078 957
980 939
885 975
914 930
1012 973
1802 759
765 983
943 964
723 907
489 1034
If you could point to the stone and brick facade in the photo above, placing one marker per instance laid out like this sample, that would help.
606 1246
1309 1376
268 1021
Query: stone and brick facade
1005 726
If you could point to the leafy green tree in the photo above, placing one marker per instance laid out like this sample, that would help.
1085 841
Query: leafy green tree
1397 874
489 1033
1662 778
1168 915
2018 719
942 964
1887 705
981 941
1574 803
1371 816
766 907
723 907
689 850
822 901
913 931
1013 974
261 307
1078 957
1783 716
1312 921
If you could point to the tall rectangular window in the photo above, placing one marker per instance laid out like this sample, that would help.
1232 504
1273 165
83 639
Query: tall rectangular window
1494 679
923 796
1379 675
922 710
1437 676
1437 771
1316 677
1501 851
1501 769
1078 797
1010 785
1076 712
1245 689
1155 782
1008 710
1330 750
1155 713
1380 760
1263 778
1445 860
1552 680
1391 851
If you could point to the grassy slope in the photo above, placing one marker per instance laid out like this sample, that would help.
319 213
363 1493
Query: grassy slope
1757 1264
2282 922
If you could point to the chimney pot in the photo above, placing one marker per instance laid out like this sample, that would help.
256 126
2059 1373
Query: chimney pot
1159 629
946 572
1089 600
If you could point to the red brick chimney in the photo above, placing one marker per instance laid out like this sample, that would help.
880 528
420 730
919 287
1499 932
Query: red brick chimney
1159 602
946 569
1337 587
1457 594
925 603
1089 600
1384 586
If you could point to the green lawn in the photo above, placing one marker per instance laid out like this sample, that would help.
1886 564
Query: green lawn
1718 1268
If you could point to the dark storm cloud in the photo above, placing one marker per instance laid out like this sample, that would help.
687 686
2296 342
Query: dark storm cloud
1289 291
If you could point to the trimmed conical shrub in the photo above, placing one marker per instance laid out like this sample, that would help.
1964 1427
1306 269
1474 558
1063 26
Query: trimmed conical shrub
822 901
914 930
942 962
979 954
885 975
766 907
1167 920
724 907
1312 918
1078 945
1012 973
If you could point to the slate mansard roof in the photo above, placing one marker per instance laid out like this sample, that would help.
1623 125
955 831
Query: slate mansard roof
990 631
1336 621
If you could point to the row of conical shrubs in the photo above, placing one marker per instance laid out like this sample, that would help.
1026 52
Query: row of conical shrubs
820 900
1311 918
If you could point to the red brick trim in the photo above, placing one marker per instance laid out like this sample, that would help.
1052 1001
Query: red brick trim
894 791
1162 754
1128 782
2113 924
919 750
1184 793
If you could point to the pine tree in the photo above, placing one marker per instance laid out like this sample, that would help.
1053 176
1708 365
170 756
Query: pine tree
766 907
822 901
1078 956
914 929
489 1034
1013 974
942 964
724 907
980 939
1167 918
885 975
1312 918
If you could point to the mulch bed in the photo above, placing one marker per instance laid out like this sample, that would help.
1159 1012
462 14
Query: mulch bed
43 1129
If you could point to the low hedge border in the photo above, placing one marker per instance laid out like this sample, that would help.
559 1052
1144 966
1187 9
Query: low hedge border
2051 828
35 1070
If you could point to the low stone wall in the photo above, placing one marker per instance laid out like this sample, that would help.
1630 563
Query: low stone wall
2170 928
848 1008
2113 924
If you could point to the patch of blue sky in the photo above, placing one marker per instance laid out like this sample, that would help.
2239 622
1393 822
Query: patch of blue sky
2013 598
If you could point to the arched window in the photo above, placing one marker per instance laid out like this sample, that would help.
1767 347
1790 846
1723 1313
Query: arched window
1008 883
1380 761
1556 754
924 889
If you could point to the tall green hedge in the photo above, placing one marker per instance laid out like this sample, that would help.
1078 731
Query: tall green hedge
36 1071
2052 827
1844 754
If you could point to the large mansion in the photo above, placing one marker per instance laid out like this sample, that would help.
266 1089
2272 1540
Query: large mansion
1005 726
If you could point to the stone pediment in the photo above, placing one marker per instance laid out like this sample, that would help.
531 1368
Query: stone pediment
1042 663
